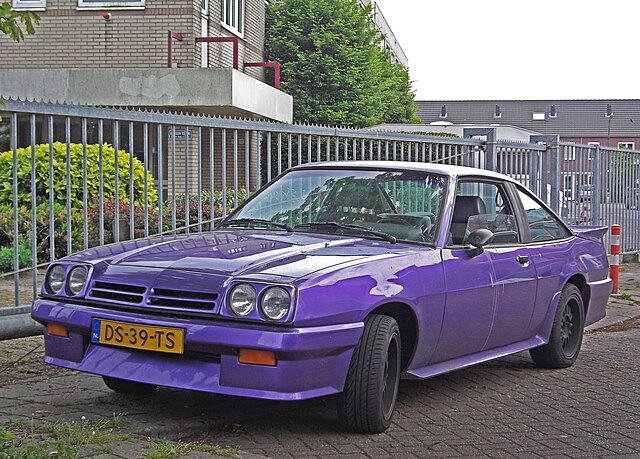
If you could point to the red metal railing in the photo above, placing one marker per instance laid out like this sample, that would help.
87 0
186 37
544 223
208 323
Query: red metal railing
233 40
170 37
274 65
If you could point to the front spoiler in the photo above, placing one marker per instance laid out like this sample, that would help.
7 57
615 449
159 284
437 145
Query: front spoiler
311 362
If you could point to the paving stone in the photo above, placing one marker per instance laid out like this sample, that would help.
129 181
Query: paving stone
503 408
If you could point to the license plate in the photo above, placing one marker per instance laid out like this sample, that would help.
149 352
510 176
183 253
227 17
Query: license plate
149 338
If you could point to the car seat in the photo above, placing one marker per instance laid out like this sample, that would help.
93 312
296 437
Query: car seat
465 207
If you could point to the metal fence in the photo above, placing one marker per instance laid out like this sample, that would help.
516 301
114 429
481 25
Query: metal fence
59 192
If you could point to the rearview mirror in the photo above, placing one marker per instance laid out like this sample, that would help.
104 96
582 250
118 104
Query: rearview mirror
478 239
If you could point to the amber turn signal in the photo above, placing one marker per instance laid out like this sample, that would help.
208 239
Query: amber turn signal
255 357
57 330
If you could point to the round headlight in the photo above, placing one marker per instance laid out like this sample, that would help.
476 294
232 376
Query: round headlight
242 299
56 278
275 303
77 279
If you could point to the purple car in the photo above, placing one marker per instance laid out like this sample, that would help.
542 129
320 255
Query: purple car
335 278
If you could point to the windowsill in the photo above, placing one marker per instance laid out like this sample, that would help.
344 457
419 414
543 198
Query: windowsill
110 6
233 30
28 8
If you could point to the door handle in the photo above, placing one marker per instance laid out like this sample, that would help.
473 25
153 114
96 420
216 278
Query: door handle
522 259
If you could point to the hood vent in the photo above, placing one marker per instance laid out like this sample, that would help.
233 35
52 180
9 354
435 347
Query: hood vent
118 292
182 299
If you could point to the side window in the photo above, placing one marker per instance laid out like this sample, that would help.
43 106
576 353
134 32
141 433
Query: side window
483 205
543 225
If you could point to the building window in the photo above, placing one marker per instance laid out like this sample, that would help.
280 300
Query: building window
102 4
33 5
233 16
626 145
538 116
592 150
569 152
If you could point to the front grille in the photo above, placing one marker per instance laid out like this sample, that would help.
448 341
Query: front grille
182 299
118 292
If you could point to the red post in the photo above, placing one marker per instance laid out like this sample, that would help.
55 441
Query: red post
585 213
232 40
172 36
614 260
274 65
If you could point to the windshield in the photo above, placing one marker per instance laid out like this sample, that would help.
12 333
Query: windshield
405 205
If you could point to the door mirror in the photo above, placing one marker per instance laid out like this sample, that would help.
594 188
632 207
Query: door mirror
478 239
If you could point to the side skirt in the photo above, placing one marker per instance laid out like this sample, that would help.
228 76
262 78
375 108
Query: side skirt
469 360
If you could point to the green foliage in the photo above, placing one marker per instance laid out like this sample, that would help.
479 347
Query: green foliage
108 216
76 173
43 235
60 223
333 65
11 22
61 439
434 134
7 260
165 449
623 173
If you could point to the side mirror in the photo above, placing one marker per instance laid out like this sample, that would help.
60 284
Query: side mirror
478 239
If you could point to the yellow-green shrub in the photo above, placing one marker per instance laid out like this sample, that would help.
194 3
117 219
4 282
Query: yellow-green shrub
76 166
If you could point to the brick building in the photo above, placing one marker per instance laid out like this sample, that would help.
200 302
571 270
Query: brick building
144 54
605 122
132 38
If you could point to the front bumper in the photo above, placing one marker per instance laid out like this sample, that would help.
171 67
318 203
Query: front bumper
311 362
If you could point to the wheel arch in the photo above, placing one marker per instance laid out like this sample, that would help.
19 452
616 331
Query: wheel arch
581 283
408 323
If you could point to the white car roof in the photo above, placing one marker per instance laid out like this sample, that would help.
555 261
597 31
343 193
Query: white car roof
442 169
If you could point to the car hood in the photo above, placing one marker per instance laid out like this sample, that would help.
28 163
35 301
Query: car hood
245 253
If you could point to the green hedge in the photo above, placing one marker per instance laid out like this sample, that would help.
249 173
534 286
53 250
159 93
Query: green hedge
76 166
60 235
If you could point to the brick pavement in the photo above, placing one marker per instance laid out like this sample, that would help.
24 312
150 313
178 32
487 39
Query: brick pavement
504 408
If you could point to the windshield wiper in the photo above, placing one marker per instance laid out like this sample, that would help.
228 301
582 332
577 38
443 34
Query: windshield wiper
352 227
245 222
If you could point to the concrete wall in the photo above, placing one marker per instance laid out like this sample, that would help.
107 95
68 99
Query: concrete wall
219 88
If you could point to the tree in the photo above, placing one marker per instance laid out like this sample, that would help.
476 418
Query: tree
333 65
11 22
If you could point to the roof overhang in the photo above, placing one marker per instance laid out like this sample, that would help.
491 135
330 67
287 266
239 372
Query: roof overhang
503 131
217 90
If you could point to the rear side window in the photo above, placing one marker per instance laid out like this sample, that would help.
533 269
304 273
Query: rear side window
543 225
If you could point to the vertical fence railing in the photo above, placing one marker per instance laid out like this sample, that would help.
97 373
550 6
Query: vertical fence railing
619 194
102 175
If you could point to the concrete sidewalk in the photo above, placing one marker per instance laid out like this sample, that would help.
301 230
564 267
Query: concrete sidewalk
625 304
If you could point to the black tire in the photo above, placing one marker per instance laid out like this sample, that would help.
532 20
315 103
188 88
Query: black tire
123 386
566 334
369 398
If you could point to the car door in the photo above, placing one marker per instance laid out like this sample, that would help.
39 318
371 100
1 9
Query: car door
549 242
490 297
470 280
470 298
514 270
